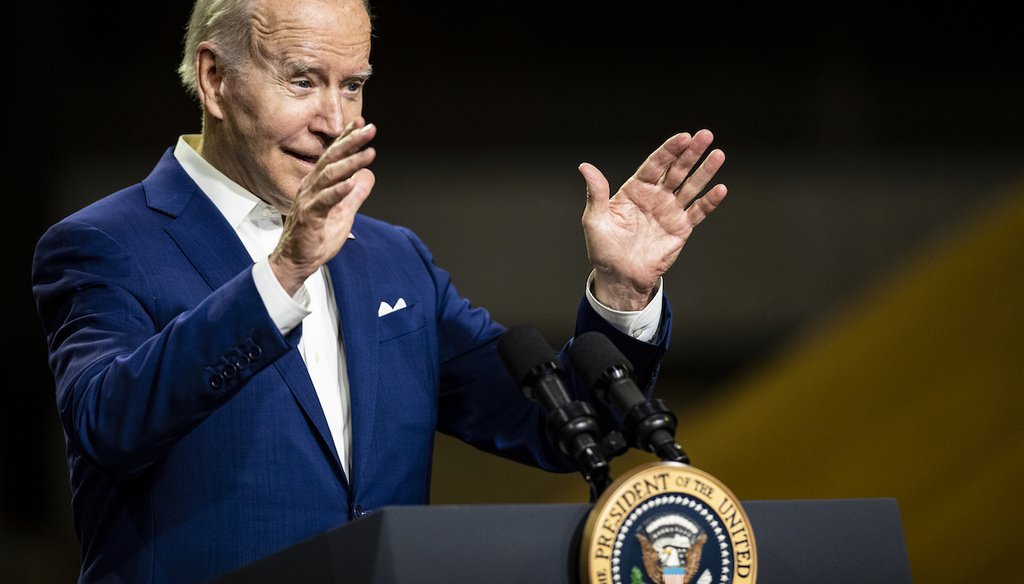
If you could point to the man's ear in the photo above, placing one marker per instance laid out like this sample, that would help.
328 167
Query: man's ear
209 79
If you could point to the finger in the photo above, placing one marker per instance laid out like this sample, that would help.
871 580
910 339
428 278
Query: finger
333 148
659 161
340 170
692 186
683 164
356 136
357 188
597 189
362 185
701 207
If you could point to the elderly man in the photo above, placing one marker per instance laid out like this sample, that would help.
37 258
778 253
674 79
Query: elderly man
243 360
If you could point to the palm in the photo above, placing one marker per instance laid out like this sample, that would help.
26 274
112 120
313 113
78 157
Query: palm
635 236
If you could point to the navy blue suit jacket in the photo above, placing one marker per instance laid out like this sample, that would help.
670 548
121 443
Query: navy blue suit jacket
195 439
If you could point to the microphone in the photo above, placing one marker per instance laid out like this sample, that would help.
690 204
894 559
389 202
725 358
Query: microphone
571 425
533 364
650 424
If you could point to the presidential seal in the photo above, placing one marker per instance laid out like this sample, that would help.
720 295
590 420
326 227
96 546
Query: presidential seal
667 523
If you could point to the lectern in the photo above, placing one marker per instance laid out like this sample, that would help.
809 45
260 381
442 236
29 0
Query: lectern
831 541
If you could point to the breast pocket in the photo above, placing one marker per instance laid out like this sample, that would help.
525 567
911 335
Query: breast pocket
407 374
401 322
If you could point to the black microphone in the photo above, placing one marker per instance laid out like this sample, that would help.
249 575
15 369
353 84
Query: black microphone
533 364
571 425
650 424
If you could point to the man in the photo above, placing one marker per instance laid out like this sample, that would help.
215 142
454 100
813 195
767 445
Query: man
242 360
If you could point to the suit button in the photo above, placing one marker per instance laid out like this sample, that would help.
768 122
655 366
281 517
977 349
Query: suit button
242 362
254 353
357 510
230 371
216 381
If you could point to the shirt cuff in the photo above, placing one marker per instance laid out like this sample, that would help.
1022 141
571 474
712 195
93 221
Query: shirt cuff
286 311
642 325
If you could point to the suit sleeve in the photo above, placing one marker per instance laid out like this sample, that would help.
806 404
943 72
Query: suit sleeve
127 388
644 356
481 404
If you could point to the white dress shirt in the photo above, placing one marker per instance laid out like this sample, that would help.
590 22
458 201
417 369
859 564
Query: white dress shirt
259 226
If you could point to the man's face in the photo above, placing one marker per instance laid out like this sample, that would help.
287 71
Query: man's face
301 87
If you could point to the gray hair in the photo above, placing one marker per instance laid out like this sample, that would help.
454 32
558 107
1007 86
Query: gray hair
226 24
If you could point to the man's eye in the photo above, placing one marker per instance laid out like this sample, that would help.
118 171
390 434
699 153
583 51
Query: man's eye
303 83
354 86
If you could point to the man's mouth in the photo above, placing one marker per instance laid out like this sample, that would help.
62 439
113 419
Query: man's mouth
304 157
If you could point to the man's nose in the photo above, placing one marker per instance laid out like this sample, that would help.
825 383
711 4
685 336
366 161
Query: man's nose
329 120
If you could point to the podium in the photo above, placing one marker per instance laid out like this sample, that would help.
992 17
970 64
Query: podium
858 541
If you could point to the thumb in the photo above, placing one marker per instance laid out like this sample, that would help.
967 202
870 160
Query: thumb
597 187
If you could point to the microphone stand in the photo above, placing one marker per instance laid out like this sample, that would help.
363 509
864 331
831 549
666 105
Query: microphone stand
572 427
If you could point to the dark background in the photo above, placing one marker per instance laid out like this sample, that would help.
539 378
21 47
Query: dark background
853 135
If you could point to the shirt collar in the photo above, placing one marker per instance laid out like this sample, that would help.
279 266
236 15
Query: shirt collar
233 200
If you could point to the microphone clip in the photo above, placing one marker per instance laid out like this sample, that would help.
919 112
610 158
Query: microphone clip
652 427
572 427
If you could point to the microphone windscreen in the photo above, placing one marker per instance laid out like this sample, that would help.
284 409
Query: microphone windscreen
523 349
592 354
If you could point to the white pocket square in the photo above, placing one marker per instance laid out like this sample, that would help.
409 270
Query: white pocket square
386 308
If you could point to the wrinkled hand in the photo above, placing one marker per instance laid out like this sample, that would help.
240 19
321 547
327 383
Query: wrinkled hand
636 235
325 207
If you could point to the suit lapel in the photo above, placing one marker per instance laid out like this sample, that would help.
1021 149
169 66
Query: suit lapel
213 248
357 315
293 369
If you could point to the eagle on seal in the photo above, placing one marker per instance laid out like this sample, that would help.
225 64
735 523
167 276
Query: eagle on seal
664 566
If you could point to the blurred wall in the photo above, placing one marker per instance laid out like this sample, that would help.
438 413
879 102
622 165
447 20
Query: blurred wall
853 141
